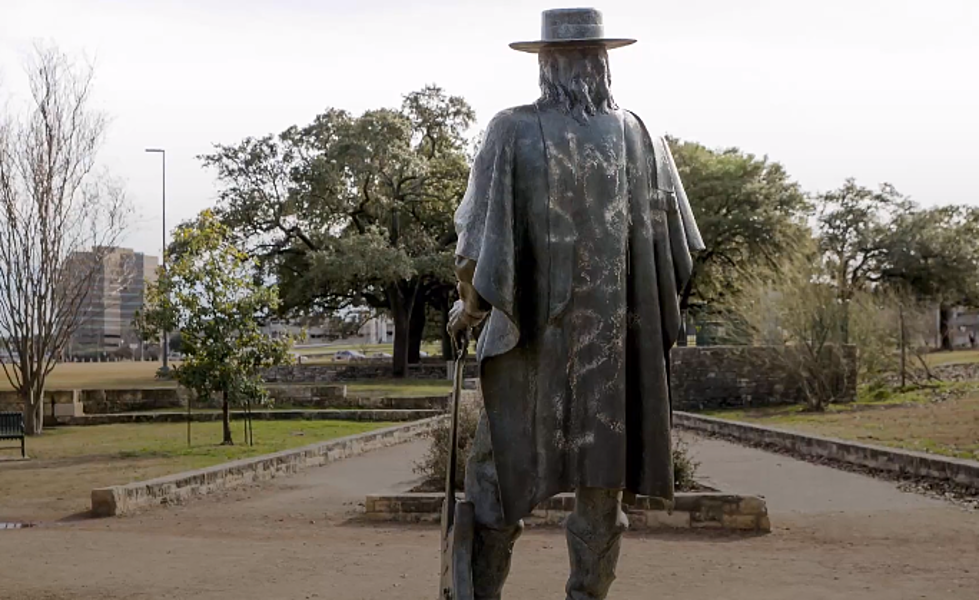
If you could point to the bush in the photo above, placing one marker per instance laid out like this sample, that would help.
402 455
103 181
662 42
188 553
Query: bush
432 466
684 467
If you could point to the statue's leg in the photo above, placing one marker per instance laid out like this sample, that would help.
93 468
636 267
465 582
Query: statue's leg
594 533
493 543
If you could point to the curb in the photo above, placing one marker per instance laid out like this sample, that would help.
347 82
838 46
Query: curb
127 499
718 511
895 462
394 414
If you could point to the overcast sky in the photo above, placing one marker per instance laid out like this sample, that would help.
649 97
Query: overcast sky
882 90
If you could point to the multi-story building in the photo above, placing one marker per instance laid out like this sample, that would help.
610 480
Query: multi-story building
117 292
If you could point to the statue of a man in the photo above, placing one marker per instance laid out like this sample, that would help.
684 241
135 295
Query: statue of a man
574 239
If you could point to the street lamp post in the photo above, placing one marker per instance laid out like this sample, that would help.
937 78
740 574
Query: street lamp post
163 257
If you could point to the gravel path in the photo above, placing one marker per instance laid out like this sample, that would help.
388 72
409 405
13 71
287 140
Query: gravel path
836 535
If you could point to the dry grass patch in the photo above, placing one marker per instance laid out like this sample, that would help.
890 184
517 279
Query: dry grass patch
119 375
942 421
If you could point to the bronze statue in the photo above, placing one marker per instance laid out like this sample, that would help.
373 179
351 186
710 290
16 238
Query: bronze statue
575 237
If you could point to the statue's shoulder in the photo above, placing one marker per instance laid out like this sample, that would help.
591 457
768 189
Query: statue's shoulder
634 124
514 120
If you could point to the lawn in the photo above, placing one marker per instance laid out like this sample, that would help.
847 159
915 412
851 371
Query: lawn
68 462
955 357
941 420
399 387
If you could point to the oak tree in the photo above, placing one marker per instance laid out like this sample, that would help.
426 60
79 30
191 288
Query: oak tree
354 210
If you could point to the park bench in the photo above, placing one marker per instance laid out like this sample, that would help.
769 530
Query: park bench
12 428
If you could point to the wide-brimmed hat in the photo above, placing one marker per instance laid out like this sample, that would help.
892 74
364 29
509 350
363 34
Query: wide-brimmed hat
573 27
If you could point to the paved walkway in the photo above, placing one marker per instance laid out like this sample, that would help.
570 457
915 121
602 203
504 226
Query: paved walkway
794 486
837 535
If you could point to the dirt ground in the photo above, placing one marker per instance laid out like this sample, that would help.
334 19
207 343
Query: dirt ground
842 536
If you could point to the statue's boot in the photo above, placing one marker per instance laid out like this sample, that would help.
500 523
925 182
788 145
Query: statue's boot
594 534
492 551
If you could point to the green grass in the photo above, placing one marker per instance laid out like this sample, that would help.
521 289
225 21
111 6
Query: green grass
955 357
399 387
68 462
169 440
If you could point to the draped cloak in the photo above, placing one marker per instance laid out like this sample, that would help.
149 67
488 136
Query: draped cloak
581 234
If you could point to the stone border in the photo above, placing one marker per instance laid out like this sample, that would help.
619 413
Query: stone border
127 499
690 511
902 464
331 414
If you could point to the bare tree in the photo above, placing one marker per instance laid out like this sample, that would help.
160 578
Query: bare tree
59 220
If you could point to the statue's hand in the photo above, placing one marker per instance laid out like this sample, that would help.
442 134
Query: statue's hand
461 320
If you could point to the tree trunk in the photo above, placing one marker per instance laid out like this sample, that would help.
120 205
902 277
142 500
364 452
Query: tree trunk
446 338
226 418
33 414
681 339
401 315
416 331
944 316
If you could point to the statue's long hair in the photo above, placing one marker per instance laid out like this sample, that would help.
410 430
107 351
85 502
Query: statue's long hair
576 80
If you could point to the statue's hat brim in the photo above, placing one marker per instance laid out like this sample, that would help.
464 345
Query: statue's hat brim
535 47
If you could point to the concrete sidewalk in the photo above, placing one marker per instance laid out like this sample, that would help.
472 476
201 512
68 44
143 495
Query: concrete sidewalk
836 535
793 486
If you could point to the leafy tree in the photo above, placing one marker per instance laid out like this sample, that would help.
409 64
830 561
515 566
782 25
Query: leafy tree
210 294
354 211
748 210
852 224
175 343
934 254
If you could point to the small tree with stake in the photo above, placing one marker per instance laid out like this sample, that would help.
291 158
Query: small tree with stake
208 292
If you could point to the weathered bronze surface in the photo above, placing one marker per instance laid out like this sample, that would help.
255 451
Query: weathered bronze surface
575 237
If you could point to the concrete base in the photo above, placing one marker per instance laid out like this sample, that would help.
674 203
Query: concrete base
689 511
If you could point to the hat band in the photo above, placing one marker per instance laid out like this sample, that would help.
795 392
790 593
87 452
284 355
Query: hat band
572 31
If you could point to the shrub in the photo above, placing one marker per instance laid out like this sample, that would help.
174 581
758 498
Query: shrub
684 467
432 465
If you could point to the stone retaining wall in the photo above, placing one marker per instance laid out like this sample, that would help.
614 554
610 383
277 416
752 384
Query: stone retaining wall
391 415
368 402
690 511
127 499
355 371
714 377
892 461
100 402
60 403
